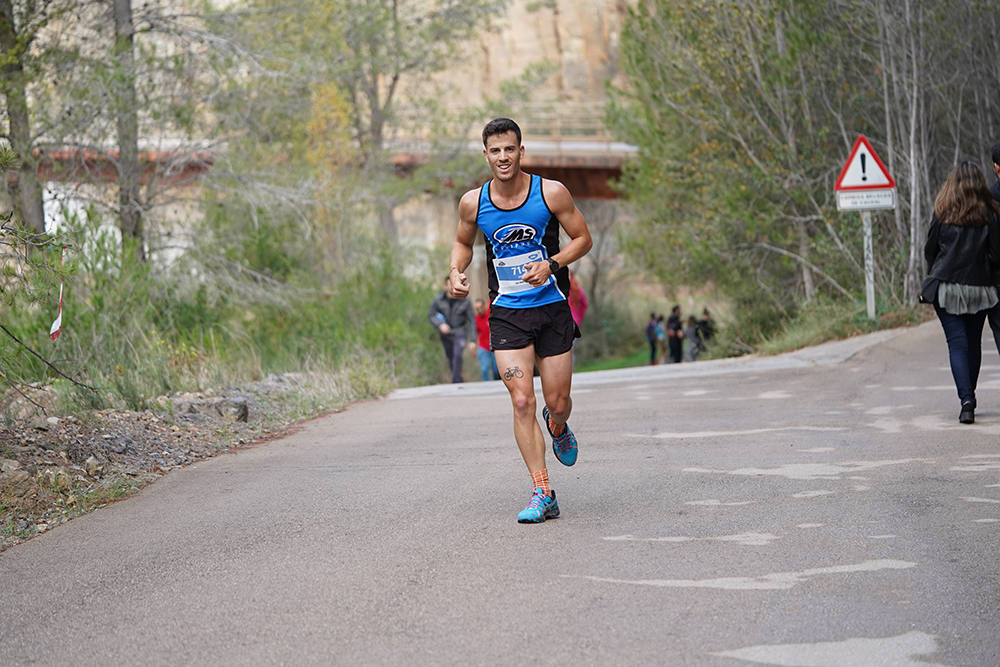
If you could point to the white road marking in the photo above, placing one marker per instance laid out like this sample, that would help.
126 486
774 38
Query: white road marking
811 471
898 651
986 521
817 450
982 466
886 409
881 537
932 423
765 582
887 425
992 501
773 395
745 539
722 434
696 392
712 502
939 387
812 494
810 525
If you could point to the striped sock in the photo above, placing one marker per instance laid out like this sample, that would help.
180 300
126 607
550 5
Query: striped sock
556 431
541 480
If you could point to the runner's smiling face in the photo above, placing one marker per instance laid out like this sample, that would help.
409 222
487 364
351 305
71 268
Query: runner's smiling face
503 153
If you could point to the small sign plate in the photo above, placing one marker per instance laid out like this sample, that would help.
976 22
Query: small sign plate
866 200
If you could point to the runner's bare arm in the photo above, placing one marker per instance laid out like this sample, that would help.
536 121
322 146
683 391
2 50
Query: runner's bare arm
461 250
561 204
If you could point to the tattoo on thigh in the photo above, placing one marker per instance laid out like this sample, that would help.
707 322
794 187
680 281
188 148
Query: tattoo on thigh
512 373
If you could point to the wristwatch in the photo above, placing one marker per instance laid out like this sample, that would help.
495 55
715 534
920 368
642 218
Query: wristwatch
553 266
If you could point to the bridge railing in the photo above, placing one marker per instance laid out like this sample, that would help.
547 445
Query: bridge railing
571 127
564 122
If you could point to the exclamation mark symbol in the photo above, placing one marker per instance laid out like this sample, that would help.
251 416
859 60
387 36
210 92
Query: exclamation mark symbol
864 176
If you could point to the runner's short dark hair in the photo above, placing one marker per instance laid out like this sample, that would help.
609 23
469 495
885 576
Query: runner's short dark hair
996 153
501 126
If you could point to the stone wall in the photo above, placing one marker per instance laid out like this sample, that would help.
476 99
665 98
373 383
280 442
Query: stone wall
580 37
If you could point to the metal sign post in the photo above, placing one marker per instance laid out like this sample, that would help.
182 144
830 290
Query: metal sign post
866 223
865 185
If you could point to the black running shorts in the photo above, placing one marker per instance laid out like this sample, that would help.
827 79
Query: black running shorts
549 328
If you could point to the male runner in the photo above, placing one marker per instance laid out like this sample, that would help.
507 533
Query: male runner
520 215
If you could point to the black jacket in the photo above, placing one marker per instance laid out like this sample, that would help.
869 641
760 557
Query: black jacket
995 190
963 254
457 313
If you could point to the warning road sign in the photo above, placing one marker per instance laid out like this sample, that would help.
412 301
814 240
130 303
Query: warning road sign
864 183
864 171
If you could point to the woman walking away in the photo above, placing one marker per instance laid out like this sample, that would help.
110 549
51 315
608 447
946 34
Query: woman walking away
963 236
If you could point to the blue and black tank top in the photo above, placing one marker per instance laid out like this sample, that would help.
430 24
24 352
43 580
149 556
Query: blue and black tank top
514 237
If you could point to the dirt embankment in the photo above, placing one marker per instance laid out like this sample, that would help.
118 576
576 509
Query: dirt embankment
53 468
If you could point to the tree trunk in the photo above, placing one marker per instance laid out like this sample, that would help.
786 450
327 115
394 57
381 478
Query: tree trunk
26 191
127 121
808 284
911 280
890 143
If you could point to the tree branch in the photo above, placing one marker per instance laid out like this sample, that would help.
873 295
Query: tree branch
805 262
44 360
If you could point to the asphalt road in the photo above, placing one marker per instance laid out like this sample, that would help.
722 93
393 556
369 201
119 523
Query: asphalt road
818 508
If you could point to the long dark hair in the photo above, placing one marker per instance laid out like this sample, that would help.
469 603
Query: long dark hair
964 198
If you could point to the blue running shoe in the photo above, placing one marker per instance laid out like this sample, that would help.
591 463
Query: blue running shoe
563 446
542 506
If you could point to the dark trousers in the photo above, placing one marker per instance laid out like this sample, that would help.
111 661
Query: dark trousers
454 345
676 346
652 352
993 314
964 334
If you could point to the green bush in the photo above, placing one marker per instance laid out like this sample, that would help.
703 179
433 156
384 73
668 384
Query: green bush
136 331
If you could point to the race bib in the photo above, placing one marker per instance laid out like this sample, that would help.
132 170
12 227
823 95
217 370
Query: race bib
511 269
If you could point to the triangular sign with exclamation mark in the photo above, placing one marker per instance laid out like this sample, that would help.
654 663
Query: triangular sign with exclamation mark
864 170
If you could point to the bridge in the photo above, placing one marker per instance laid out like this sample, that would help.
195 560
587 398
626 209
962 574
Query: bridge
565 142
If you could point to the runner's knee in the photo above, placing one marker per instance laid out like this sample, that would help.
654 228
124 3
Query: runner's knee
558 403
524 402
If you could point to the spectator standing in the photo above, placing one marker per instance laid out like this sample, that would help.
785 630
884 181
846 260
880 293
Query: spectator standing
693 340
706 327
675 335
577 299
652 339
661 340
577 305
487 360
453 319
